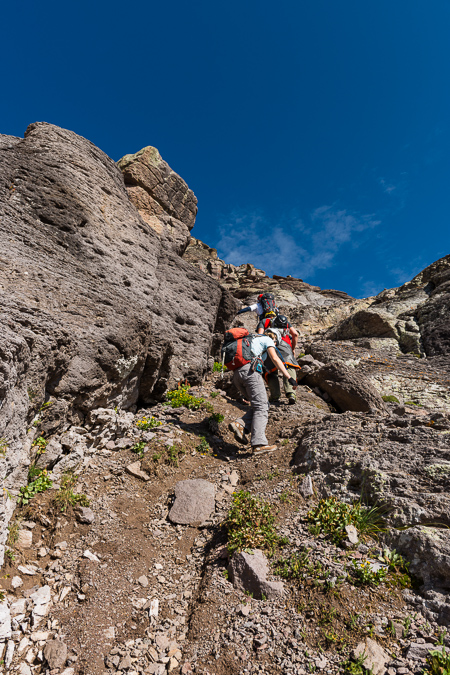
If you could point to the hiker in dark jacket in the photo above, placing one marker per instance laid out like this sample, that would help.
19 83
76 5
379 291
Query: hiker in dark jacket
250 384
286 354
288 333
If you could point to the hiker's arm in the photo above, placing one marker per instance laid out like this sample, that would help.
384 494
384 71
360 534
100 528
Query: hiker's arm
294 337
250 308
278 362
260 330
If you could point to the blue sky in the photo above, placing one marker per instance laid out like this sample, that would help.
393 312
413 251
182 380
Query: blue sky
315 134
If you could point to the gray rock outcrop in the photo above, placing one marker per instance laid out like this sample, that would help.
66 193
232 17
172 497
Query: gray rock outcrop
98 309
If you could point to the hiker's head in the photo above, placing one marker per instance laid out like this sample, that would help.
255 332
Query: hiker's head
275 334
281 321
269 315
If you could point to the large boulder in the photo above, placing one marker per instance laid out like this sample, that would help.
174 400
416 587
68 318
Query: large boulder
347 388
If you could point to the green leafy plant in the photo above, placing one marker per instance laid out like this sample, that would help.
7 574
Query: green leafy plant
352 622
138 448
442 634
203 447
357 666
2 597
331 516
181 397
390 399
365 575
213 394
173 454
45 406
213 422
285 497
40 484
10 554
293 567
66 496
250 524
438 662
398 568
40 444
147 423
218 367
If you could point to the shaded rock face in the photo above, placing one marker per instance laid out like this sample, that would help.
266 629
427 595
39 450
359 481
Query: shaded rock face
97 308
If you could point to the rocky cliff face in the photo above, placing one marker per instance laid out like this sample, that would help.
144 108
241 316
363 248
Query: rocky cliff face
98 309
107 302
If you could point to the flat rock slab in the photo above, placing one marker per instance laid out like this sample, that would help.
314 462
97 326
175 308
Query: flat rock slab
55 653
249 574
24 539
194 502
134 469
375 656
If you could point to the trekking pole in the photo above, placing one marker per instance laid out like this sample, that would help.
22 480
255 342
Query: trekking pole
223 366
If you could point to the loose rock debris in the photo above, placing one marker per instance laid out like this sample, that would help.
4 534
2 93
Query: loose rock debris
125 589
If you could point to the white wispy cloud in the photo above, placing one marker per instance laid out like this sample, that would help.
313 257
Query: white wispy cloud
387 186
292 246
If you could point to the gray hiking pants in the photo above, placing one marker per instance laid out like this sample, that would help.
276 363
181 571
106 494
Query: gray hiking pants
251 386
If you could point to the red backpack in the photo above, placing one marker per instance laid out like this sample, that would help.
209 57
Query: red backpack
236 350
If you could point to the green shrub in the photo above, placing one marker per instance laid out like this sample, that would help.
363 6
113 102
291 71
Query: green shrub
66 496
218 367
213 422
331 517
138 448
250 524
181 397
356 667
203 447
390 399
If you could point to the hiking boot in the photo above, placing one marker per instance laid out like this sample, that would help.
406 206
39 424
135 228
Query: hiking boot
239 431
261 449
274 401
291 400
